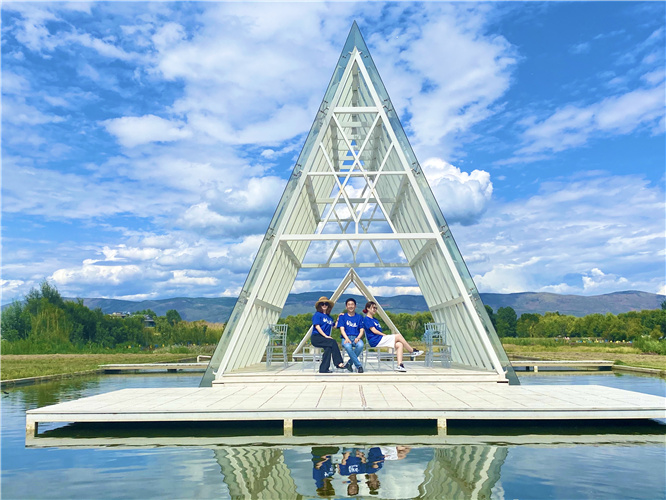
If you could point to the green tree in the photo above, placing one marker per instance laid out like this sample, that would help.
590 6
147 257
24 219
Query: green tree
15 324
526 325
663 305
298 326
173 317
50 326
84 322
506 322
47 294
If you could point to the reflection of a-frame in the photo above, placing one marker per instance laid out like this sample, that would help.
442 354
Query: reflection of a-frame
468 471
460 471
256 473
353 278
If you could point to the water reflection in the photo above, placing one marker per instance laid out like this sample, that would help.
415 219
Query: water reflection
592 459
461 471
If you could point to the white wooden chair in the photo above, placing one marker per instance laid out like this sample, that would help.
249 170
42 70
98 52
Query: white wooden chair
436 347
311 354
276 350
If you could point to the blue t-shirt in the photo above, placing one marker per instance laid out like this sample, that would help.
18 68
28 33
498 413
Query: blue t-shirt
324 321
373 338
375 460
354 465
351 324
327 469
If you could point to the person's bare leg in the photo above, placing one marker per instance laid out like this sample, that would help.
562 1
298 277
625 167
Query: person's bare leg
401 339
398 348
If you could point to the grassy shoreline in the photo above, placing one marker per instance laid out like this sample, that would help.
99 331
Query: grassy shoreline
628 356
17 366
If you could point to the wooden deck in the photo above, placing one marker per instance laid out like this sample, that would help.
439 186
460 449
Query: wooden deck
143 367
289 402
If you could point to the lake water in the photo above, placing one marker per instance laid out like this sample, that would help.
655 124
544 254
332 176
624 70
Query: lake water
560 461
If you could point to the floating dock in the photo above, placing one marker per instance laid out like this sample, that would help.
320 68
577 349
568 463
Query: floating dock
325 399
143 367
591 364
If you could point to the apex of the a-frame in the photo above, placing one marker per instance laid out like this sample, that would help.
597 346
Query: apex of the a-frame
355 39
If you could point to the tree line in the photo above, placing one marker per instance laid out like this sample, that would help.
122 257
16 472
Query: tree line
46 323
629 326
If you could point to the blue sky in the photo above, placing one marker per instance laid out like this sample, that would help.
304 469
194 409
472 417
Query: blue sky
145 145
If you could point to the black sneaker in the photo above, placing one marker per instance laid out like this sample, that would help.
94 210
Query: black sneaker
349 366
360 369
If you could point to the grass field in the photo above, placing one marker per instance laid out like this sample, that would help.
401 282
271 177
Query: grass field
629 356
16 366
36 365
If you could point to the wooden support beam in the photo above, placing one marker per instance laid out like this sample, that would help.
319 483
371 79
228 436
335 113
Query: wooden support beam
441 426
31 427
288 427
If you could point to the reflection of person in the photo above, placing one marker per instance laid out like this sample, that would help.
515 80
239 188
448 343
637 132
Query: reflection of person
375 459
353 487
394 452
323 469
321 335
352 463
373 332
350 324
373 483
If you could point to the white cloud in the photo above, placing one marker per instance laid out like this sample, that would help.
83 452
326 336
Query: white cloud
135 130
10 288
181 277
91 272
13 83
17 112
463 197
580 48
573 126
563 237
464 73
57 195
597 280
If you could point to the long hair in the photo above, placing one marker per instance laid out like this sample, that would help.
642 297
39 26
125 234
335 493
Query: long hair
367 306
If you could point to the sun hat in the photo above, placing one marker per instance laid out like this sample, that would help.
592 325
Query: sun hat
325 299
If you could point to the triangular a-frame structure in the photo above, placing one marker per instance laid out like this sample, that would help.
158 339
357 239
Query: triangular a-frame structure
357 198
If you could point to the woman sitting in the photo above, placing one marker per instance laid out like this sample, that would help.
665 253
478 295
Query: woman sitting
321 335
373 332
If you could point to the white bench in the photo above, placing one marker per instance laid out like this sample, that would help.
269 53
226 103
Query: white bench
380 354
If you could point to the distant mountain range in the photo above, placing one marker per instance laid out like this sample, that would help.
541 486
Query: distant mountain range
219 309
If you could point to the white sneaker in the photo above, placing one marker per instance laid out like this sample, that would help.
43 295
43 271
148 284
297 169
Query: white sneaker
400 368
415 353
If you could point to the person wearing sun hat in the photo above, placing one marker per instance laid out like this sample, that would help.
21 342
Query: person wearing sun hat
322 323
